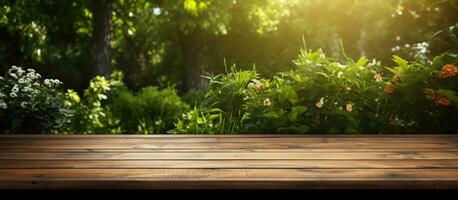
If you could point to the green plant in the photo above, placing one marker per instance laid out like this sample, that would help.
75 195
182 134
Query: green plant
149 111
320 96
91 115
220 109
422 97
28 105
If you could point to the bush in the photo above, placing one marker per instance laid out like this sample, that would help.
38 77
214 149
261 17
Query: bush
91 115
149 111
220 109
325 96
109 107
29 105
421 96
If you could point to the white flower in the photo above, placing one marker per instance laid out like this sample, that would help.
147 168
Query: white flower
267 102
320 103
21 80
13 75
15 89
31 70
20 71
3 105
1 78
24 104
26 89
13 95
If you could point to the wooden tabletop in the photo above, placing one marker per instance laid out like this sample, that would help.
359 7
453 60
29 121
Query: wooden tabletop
228 161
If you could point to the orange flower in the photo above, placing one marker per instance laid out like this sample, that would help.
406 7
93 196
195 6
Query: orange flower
349 107
441 100
448 71
388 89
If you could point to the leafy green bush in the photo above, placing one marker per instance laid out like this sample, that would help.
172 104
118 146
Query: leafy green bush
28 105
220 109
422 97
149 111
92 116
323 95
320 96
108 106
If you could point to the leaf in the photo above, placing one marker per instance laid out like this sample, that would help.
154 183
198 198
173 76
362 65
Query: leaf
291 95
296 111
449 94
322 74
400 61
362 61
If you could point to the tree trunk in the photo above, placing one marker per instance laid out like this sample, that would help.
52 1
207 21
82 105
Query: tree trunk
101 35
195 60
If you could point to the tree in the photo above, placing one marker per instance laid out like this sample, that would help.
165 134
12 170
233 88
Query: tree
102 36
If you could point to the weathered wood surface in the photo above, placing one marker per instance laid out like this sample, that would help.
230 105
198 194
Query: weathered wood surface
228 161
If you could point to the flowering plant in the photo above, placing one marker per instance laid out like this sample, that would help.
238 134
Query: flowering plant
423 96
30 105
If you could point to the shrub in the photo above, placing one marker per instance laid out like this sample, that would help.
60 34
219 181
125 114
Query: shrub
323 95
108 106
91 115
29 105
149 111
220 109
320 96
421 96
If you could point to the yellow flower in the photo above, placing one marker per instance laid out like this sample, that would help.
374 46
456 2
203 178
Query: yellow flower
259 86
448 71
378 77
320 103
349 107
267 102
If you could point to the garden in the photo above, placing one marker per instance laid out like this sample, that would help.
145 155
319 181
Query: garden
229 67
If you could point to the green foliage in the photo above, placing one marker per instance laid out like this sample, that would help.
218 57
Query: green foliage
423 100
326 96
30 105
149 111
108 106
91 115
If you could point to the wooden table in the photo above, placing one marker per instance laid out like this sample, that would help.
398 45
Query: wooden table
229 161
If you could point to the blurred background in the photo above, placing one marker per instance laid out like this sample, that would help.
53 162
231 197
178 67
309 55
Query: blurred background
173 42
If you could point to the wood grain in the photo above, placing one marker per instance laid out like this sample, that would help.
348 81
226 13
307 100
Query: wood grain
228 161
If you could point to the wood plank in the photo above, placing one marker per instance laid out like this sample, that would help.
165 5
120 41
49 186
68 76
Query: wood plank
231 184
229 161
225 140
230 164
356 145
221 150
232 136
225 155
228 174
